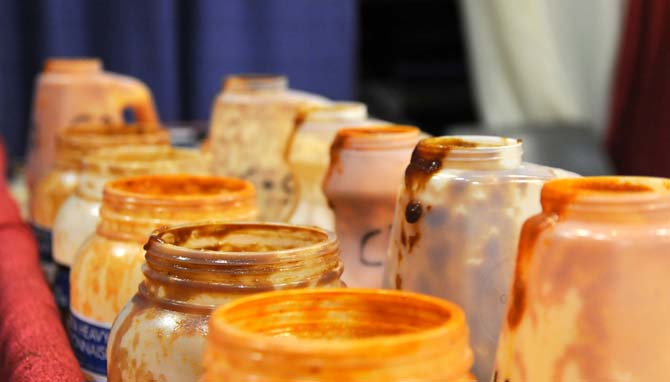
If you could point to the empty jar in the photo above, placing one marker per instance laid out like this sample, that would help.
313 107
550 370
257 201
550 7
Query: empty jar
335 335
362 183
190 270
456 228
310 156
252 127
72 144
79 215
107 268
590 291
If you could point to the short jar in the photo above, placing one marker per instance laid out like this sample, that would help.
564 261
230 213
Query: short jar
361 185
107 268
335 335
79 215
192 269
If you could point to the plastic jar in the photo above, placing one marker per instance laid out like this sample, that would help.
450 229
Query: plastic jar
72 144
79 215
248 108
590 291
107 269
192 269
457 225
335 335
365 173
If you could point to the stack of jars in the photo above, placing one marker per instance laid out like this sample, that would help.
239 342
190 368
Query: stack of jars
262 257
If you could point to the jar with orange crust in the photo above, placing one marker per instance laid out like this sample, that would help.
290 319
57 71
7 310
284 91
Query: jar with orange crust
107 268
78 217
190 270
590 290
337 335
252 127
72 144
361 185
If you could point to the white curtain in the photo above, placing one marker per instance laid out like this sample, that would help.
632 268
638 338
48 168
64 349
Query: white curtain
542 60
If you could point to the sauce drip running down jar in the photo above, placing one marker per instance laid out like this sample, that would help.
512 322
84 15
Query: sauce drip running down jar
192 269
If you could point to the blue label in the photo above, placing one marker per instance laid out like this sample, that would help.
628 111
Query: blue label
43 237
62 287
89 342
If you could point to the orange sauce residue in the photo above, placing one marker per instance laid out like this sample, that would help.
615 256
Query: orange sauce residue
178 185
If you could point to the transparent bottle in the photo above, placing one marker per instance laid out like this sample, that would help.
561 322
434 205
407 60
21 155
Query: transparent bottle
588 301
76 90
107 268
252 127
72 145
335 335
192 269
456 228
80 213
366 169
309 156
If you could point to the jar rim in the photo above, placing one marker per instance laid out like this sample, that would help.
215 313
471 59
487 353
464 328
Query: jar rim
134 156
73 65
254 82
375 137
220 327
156 243
464 144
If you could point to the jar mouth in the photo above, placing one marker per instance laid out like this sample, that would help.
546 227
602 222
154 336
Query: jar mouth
73 65
238 243
376 137
468 144
178 187
255 81
340 111
601 191
336 321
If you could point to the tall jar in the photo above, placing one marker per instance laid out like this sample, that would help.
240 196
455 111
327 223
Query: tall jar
79 215
334 335
366 169
252 127
590 291
190 270
457 224
107 268
309 156
72 144
73 91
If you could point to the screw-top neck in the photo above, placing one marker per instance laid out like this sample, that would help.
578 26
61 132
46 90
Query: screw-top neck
255 82
339 335
132 207
197 264
73 65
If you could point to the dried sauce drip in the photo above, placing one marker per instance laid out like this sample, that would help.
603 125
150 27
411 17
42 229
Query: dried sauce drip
398 282
413 239
529 234
413 211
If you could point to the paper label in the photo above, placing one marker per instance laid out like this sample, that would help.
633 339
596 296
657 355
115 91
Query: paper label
62 287
89 342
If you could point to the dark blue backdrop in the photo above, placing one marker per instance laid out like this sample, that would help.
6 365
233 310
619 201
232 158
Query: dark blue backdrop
181 49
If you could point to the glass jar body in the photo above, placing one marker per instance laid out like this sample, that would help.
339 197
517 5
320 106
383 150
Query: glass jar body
456 238
601 286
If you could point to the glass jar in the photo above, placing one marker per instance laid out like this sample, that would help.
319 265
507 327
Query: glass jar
253 123
107 268
457 224
192 269
366 167
79 215
72 145
333 335
309 156
588 301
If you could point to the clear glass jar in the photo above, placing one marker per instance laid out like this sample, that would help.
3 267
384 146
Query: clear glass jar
80 213
309 156
457 224
74 91
107 268
361 185
590 291
334 335
192 269
72 144
250 107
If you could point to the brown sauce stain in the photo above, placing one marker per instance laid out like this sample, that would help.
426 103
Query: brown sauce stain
413 211
177 185
413 240
398 281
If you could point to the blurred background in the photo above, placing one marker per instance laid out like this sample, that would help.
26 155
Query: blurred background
583 83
